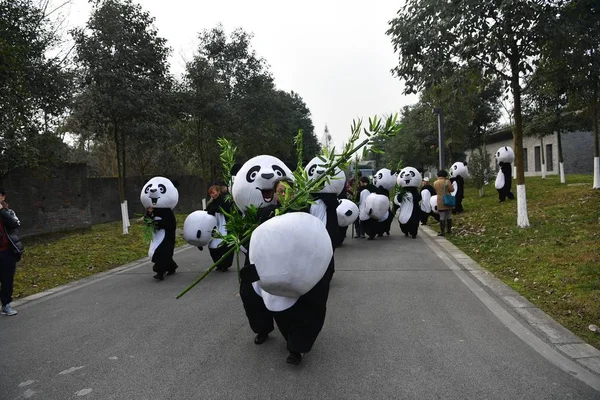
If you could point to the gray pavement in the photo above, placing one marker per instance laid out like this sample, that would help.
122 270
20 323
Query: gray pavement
407 319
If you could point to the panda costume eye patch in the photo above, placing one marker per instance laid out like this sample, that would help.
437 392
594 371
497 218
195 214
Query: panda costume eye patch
278 170
252 173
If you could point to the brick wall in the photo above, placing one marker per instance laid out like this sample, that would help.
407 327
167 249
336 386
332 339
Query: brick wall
66 199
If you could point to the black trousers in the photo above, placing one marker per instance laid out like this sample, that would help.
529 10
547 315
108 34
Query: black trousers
219 252
8 266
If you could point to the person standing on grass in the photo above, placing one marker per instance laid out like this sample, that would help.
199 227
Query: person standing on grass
443 186
11 249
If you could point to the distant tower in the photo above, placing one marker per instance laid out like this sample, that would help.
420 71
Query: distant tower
326 138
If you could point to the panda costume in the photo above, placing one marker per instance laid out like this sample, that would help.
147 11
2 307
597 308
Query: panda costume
385 180
347 212
198 228
159 196
458 174
427 192
296 248
505 156
410 211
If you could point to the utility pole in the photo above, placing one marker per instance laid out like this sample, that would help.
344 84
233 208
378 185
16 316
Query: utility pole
440 114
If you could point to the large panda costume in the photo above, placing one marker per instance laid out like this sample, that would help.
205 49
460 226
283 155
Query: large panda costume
159 196
410 212
505 156
458 174
294 248
385 181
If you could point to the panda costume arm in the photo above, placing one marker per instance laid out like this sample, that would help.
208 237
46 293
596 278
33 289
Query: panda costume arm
454 188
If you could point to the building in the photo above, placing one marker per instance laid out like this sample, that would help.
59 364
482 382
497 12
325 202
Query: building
577 147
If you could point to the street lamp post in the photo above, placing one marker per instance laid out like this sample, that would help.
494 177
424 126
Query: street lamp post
440 114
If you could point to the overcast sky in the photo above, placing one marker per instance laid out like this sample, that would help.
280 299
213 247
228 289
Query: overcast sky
335 54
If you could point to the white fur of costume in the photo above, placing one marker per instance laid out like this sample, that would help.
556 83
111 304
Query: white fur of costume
433 204
158 192
291 253
377 206
317 167
254 181
347 212
198 228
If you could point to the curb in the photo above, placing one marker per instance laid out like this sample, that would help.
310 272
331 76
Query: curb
553 333
88 280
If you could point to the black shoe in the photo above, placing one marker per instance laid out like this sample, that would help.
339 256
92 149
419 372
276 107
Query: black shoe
260 338
380 235
441 234
294 358
171 272
414 236
159 276
388 233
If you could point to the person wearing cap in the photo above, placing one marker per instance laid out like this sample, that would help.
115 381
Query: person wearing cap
11 249
426 192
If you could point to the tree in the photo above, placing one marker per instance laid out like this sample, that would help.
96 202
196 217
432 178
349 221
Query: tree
582 21
434 37
35 89
125 76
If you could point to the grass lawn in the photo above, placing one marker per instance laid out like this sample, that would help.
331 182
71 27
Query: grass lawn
55 259
555 263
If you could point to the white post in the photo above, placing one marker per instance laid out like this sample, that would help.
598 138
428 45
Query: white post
561 168
543 170
514 172
204 203
522 218
125 216
596 172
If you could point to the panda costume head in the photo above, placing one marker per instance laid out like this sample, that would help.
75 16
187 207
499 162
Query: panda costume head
317 167
385 179
505 154
198 228
347 212
459 169
409 177
159 192
290 254
253 184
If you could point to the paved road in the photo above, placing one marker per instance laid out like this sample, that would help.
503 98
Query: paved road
401 324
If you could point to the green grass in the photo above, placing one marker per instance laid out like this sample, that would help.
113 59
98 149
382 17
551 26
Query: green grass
555 263
56 259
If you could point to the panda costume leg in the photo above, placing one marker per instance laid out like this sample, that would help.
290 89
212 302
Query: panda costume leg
259 317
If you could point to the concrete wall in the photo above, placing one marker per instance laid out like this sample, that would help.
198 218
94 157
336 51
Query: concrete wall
66 199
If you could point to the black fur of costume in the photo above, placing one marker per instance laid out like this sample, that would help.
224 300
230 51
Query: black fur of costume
425 216
460 194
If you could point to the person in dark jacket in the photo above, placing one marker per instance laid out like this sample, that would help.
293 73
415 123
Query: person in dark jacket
11 249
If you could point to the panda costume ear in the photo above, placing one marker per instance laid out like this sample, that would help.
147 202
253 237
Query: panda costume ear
236 167
175 183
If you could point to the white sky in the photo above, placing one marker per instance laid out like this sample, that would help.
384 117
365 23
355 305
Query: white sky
335 54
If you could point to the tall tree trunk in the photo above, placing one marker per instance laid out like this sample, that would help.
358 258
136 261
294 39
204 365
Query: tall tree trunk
522 218
561 165
596 144
543 158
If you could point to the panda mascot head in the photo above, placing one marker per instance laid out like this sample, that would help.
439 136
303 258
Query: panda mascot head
385 179
459 169
433 203
347 212
159 192
198 228
290 254
505 154
409 177
317 167
253 184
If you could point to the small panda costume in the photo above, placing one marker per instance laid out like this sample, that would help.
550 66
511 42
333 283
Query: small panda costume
347 212
505 156
385 181
458 174
159 196
410 211
198 228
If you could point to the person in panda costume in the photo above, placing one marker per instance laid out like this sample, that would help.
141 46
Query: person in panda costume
367 201
299 317
427 192
159 196
347 213
385 181
410 179
326 202
458 174
505 156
